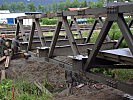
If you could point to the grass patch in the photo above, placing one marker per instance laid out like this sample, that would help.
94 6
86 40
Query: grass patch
22 91
123 74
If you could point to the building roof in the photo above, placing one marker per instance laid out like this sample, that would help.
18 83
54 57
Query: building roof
11 15
4 11
76 9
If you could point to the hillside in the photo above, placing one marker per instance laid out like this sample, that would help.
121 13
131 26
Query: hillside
37 2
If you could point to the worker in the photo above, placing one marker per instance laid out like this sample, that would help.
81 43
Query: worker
2 45
15 45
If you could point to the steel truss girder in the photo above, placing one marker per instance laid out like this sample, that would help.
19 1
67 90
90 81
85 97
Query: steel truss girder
104 31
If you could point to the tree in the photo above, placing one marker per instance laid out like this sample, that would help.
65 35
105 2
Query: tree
31 7
75 4
41 8
20 7
84 3
13 7
55 7
4 6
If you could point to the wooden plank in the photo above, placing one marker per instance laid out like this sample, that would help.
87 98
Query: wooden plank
2 58
42 88
7 63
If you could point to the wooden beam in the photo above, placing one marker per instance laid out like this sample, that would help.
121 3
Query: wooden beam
55 37
31 36
22 30
40 32
70 36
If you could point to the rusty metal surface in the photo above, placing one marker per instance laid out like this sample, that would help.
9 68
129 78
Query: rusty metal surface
121 52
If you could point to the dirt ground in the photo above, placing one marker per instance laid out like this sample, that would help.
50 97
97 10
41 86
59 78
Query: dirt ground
36 69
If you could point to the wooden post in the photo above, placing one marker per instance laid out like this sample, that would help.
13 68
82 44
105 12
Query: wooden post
3 74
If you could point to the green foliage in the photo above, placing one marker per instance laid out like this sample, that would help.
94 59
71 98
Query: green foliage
31 7
4 6
55 7
108 72
90 20
5 89
115 34
123 74
20 7
41 8
47 21
13 7
23 91
96 4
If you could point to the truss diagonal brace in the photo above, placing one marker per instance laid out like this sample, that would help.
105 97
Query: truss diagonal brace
31 36
22 30
104 31
125 31
54 40
70 37
122 38
42 39
91 31
77 27
99 19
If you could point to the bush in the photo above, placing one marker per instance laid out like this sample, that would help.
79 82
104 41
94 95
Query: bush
90 20
47 21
